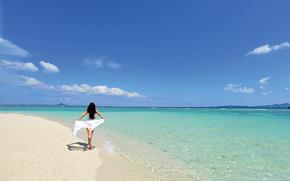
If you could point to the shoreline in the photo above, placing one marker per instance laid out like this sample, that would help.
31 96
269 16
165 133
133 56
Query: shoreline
36 148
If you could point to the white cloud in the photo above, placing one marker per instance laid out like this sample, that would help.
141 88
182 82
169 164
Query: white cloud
26 66
79 88
9 48
32 82
266 93
247 90
114 65
264 80
133 94
101 89
101 62
48 67
287 88
238 88
268 48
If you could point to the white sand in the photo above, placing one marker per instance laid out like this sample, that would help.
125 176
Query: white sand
34 148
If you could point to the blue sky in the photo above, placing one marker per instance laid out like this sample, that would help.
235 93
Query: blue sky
146 53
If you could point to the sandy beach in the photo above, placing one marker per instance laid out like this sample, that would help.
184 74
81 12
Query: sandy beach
34 148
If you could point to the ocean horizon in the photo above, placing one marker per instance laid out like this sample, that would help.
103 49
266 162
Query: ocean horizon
272 106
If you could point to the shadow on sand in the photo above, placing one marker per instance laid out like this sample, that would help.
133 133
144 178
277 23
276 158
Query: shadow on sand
77 146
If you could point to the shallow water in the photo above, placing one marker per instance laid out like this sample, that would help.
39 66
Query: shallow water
211 144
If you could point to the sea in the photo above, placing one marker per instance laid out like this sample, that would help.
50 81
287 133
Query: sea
218 144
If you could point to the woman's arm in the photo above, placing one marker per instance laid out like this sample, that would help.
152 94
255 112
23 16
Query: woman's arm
98 113
85 113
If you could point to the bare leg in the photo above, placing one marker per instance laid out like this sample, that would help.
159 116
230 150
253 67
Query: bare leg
90 137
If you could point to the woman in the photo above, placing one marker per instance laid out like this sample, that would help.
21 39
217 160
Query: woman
91 110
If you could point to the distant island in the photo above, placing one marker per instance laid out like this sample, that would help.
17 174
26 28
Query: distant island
61 104
273 106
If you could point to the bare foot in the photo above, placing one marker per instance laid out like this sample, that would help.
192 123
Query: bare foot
90 147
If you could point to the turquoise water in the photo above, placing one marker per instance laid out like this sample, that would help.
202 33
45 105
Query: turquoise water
213 144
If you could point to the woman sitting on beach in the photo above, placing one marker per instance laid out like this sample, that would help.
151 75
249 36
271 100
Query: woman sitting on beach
91 110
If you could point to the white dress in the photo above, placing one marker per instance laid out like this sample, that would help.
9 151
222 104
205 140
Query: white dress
90 123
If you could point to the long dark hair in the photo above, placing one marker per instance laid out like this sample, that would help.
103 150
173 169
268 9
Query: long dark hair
91 110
